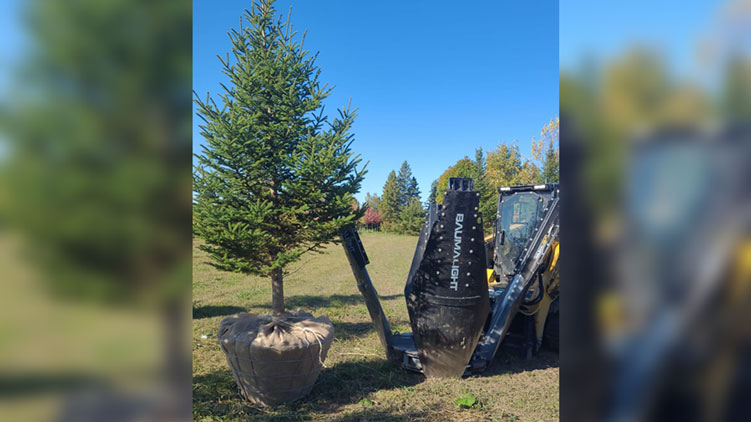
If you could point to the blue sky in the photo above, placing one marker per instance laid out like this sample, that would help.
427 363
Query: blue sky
435 80
601 30
11 41
432 80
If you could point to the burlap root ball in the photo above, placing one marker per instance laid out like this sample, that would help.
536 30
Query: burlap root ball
275 360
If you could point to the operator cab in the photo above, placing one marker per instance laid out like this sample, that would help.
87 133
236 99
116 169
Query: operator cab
521 210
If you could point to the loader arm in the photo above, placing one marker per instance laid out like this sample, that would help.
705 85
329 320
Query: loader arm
358 259
508 299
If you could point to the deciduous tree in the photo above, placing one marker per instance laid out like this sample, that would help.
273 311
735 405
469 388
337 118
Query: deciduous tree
545 151
463 168
505 166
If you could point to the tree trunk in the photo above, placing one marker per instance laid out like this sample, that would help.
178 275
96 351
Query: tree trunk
277 292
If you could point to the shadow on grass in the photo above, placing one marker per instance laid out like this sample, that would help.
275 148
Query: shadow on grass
348 330
216 394
31 384
210 311
509 362
316 302
377 415
344 383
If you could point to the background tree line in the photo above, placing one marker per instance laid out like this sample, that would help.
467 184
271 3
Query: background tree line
398 208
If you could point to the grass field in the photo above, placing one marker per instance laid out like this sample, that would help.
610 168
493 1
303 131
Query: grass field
358 384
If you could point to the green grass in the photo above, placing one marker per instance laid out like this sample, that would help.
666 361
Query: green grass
358 382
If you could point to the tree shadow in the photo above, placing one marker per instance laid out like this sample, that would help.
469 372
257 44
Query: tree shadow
109 404
379 415
349 330
210 311
508 361
338 385
350 381
213 395
316 302
32 384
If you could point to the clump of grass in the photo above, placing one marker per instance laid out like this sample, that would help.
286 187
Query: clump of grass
465 401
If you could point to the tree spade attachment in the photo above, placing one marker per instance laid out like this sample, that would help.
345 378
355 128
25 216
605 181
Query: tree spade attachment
446 291
465 291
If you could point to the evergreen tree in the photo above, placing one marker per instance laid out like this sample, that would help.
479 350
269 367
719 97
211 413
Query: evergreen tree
413 191
412 214
398 212
276 179
95 152
95 145
550 169
411 218
390 202
407 185
433 193
479 166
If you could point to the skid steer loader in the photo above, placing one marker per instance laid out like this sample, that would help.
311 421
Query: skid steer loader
465 293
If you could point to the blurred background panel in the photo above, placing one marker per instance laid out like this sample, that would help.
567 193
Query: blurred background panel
655 151
95 193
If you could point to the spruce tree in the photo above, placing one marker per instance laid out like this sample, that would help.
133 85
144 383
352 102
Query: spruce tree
94 147
411 218
433 193
276 178
413 191
399 194
550 167
390 205
407 185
